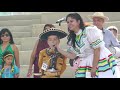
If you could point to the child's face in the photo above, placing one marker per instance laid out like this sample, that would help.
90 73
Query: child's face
53 41
8 60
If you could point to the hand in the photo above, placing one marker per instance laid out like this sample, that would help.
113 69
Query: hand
57 46
29 73
93 72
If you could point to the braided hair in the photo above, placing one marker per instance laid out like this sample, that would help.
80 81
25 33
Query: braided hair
6 54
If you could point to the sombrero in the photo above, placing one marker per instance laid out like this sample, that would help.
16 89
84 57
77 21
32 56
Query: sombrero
98 14
52 31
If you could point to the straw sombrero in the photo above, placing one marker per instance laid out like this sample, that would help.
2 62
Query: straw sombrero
98 14
52 31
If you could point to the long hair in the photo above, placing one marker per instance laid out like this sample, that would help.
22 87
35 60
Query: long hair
72 35
3 31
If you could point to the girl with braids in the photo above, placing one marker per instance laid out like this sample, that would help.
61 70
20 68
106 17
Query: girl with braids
8 70
86 45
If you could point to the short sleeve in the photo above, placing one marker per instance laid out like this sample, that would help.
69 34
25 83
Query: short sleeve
95 37
17 70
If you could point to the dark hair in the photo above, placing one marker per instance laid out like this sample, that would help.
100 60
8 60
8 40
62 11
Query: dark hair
49 25
3 31
72 35
6 53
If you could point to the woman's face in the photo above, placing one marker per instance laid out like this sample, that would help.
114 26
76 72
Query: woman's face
5 37
53 41
8 60
73 24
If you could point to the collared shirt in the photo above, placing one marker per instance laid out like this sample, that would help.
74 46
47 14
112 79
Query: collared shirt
109 39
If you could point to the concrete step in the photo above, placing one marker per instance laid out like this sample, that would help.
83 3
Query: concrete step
24 57
18 28
28 43
19 47
21 17
119 37
38 28
53 17
17 41
21 34
19 22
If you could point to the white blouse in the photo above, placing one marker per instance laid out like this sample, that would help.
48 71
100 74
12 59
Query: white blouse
91 39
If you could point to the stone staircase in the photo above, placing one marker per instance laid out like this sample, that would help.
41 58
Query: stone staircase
26 28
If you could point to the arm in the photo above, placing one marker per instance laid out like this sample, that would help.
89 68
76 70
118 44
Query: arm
40 61
32 58
115 43
16 52
69 55
95 39
96 57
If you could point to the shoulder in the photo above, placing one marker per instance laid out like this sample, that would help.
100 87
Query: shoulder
43 51
14 47
92 29
107 31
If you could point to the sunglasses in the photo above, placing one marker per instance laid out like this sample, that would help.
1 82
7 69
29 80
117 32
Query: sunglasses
3 35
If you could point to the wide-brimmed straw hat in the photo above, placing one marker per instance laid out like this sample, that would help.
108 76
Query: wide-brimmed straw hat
52 31
98 14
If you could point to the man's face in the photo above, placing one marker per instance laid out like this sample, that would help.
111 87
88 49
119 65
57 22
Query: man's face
98 22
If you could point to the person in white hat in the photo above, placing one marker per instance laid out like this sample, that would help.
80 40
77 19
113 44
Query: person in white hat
99 19
115 50
114 30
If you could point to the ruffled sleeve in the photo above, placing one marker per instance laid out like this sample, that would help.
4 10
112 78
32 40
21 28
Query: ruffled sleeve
95 37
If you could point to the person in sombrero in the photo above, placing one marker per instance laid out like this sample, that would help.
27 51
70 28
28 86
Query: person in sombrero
99 20
51 63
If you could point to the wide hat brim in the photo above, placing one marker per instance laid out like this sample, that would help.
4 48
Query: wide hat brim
52 31
103 17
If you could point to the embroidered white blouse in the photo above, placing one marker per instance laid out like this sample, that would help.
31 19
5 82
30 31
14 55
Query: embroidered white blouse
91 38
